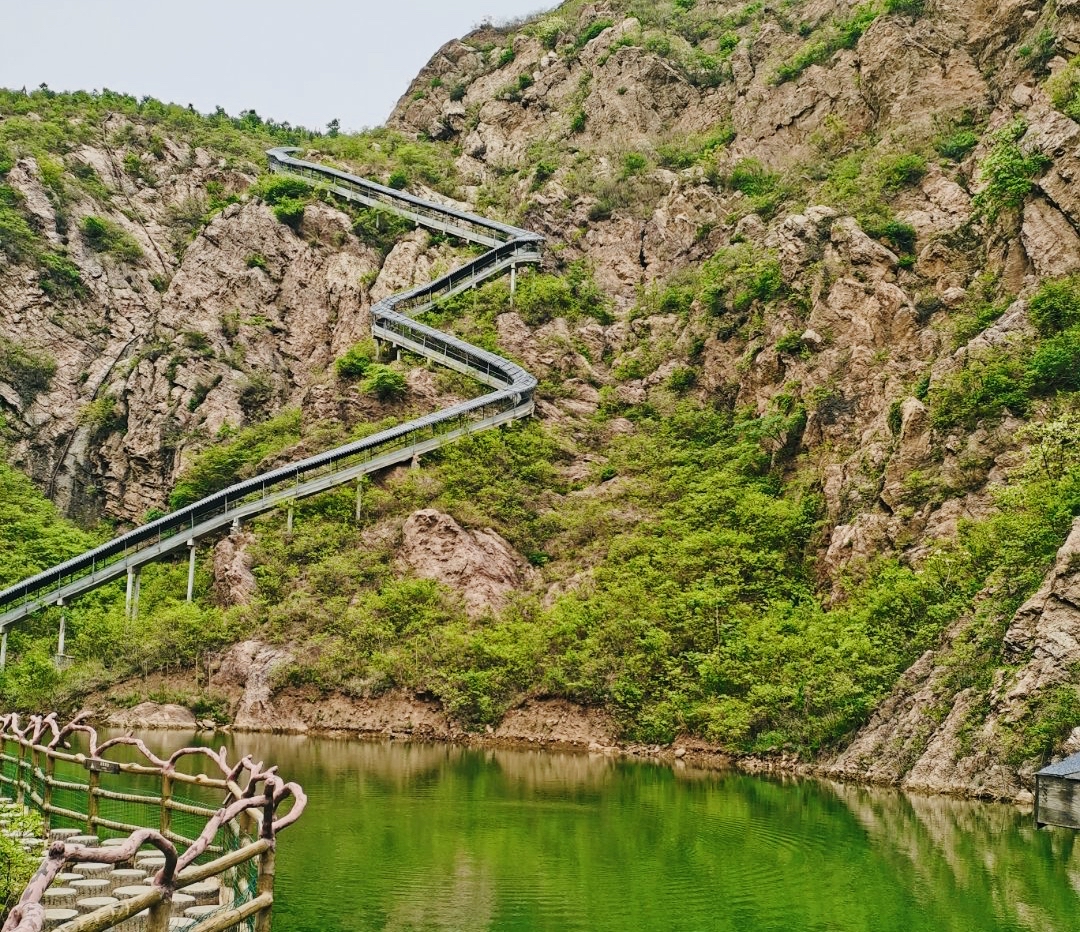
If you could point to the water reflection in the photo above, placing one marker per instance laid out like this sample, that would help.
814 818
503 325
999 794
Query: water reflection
432 837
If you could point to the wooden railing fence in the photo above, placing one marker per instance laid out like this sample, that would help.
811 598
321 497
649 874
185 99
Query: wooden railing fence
241 833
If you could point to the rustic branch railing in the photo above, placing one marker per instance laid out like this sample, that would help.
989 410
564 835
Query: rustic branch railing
242 831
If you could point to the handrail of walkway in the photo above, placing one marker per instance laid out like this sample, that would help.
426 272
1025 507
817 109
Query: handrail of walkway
41 772
511 398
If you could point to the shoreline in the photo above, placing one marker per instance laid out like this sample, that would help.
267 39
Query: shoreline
539 724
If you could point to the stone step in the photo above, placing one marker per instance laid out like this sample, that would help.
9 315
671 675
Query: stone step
126 876
97 886
57 917
90 904
59 897
206 892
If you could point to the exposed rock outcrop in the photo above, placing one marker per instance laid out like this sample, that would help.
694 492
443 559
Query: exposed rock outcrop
478 563
250 666
928 737
234 582
153 715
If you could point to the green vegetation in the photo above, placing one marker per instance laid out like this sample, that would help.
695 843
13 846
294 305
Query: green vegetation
986 387
1009 172
693 150
1056 305
238 457
106 236
540 297
287 196
1010 378
380 229
355 361
1038 52
1064 89
29 371
700 615
17 238
100 414
60 278
384 382
838 34
982 307
957 144
17 865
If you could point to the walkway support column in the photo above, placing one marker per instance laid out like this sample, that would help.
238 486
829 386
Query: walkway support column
359 497
135 594
130 591
513 283
191 570
289 521
63 631
3 649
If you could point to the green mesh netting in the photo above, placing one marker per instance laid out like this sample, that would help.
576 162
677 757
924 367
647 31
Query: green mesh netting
22 778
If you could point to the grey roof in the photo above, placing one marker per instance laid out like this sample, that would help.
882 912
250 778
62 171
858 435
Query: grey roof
1070 767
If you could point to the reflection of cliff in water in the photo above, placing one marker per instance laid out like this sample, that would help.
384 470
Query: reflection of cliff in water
990 853
428 836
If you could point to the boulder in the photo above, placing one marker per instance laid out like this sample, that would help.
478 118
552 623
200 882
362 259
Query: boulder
478 563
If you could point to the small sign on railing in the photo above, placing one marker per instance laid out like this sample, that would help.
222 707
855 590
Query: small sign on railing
97 765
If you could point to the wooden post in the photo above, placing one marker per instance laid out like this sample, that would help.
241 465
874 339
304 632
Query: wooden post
266 886
94 782
166 798
20 793
46 793
159 915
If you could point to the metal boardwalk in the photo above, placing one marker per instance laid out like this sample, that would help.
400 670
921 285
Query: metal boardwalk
511 398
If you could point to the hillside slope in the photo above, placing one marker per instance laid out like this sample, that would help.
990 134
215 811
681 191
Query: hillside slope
808 339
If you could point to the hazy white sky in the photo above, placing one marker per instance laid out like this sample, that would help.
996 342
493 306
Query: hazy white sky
305 62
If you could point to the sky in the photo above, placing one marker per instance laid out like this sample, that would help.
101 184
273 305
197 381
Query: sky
304 62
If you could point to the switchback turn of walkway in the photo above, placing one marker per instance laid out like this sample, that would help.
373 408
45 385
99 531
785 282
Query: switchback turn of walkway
511 398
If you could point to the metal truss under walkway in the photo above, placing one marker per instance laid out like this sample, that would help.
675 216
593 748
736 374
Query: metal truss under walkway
511 398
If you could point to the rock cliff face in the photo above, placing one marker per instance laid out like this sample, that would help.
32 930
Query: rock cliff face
799 211
928 736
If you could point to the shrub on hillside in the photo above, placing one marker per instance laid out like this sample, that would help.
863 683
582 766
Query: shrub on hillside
355 361
384 383
103 235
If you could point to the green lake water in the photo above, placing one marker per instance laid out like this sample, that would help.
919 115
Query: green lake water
431 837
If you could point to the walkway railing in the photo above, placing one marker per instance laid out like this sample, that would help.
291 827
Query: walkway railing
511 398
235 843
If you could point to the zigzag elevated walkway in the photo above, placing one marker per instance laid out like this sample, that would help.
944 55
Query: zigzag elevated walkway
511 398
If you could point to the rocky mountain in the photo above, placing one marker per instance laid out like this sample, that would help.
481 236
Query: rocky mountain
808 336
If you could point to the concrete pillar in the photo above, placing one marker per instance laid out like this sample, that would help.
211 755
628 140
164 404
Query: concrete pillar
135 594
513 283
236 525
289 521
130 591
3 649
191 570
63 630
359 498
